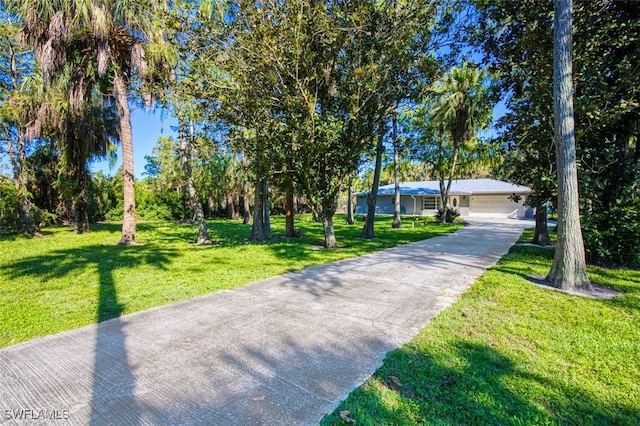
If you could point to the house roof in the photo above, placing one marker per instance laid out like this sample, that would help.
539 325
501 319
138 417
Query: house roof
458 187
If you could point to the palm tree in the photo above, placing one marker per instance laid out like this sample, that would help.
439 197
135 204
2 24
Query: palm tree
127 41
461 109
82 136
74 115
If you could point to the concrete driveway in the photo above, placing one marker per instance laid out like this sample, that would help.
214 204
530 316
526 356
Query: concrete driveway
285 350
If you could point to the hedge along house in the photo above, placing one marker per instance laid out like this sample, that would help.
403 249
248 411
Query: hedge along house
471 197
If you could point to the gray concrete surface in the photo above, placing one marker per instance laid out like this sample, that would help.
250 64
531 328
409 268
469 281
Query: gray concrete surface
285 350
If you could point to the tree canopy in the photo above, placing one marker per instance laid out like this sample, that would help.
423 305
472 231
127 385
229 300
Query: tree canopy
516 38
290 100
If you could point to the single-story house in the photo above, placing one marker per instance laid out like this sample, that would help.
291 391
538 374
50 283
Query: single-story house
471 197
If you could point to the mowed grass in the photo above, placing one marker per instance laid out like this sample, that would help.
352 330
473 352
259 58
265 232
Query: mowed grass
63 280
513 353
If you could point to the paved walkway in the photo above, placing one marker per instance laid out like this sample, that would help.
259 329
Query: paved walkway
285 350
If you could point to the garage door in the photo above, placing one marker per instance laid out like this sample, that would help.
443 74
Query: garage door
492 205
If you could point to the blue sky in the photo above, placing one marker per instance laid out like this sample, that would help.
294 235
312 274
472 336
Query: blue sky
148 126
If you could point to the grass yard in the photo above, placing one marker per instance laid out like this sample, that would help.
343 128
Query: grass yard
63 281
509 352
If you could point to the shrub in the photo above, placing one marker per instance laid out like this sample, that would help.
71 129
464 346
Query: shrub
115 214
10 210
451 215
164 204
9 202
44 218
611 238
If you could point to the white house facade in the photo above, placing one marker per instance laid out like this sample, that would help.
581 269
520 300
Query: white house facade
471 197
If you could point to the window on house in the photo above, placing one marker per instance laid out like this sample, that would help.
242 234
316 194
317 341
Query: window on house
430 203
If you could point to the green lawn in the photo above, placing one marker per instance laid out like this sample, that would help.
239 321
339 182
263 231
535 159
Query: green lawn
509 352
63 281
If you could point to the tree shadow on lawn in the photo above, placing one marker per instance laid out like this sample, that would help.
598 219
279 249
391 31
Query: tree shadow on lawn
625 281
226 232
13 236
69 263
229 232
310 247
113 378
485 387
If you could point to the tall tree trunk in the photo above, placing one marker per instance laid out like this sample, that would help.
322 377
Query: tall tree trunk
186 151
80 216
211 206
246 206
267 207
445 190
443 196
368 229
231 208
80 205
569 269
397 223
19 165
329 231
85 215
235 199
290 230
258 232
245 192
315 216
29 226
541 236
326 211
126 139
350 220
19 162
